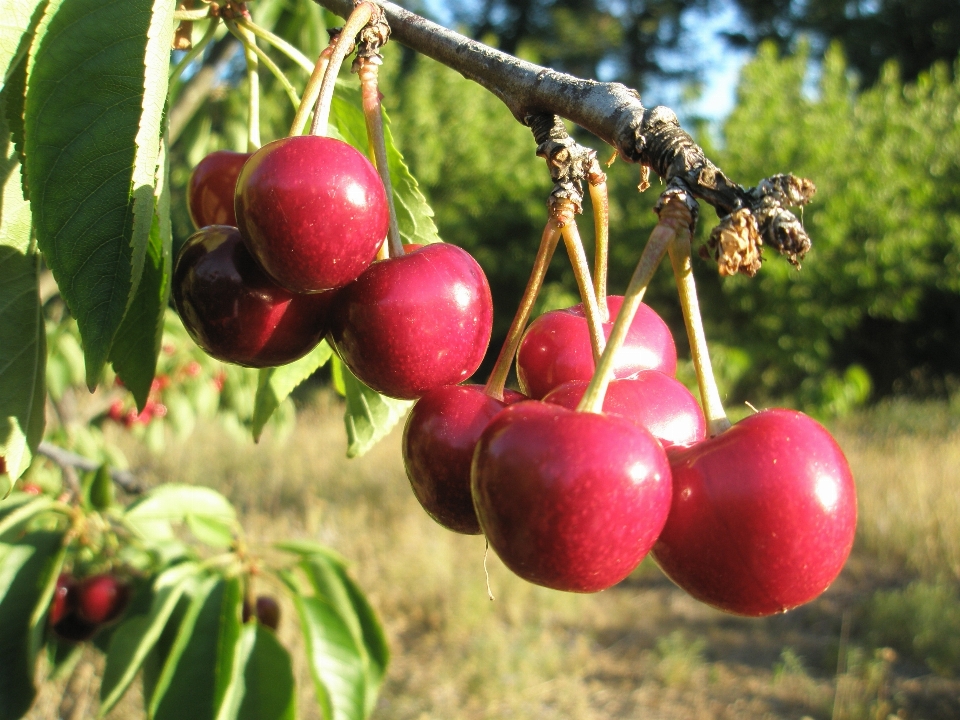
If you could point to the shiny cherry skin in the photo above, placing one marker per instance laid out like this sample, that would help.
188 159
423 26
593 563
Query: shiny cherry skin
312 210
213 183
656 401
556 348
234 311
569 500
439 437
416 322
64 619
763 515
101 599
64 598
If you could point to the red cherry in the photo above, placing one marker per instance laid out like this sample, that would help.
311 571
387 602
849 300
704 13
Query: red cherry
64 620
101 599
312 210
212 186
268 612
763 515
31 489
556 348
656 401
63 595
441 433
116 411
416 322
569 500
234 311
3 465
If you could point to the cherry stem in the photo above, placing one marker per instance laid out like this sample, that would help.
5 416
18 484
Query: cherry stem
253 80
653 252
250 43
581 271
312 91
181 15
601 222
278 42
679 250
548 244
194 53
355 23
368 70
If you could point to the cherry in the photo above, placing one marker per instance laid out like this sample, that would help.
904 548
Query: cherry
763 515
213 183
101 599
268 612
312 210
652 399
61 604
441 433
556 348
31 489
234 311
64 620
569 500
413 323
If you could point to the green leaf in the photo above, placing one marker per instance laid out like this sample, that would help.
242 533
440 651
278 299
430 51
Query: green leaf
16 24
25 569
336 664
136 635
210 531
91 152
19 509
99 491
369 415
137 345
414 214
23 349
331 583
275 384
187 684
229 663
269 690
151 515
310 547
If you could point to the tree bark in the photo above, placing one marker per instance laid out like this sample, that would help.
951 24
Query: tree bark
614 113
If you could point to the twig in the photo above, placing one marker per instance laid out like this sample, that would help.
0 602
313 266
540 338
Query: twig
70 462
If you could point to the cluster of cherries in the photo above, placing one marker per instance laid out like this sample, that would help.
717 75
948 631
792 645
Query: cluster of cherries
81 607
755 520
121 414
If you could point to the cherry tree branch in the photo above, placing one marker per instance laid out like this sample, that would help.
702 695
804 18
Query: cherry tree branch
613 112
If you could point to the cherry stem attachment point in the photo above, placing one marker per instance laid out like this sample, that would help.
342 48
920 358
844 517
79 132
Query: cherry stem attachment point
278 42
601 222
345 42
581 271
679 251
312 90
660 239
250 43
548 244
368 69
193 54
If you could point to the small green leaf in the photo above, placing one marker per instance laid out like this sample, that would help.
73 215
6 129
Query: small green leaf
210 531
187 684
91 152
137 345
269 690
23 349
25 568
275 384
369 415
100 493
336 663
229 663
332 583
310 547
174 503
136 635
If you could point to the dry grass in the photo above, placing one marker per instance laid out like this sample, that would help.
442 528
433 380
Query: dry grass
641 650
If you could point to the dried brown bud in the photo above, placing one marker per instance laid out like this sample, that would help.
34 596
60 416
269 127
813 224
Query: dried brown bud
736 245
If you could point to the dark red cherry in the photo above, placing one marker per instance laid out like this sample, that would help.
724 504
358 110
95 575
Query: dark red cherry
556 348
441 433
763 515
416 322
63 598
569 500
234 311
656 401
212 186
101 599
268 612
312 210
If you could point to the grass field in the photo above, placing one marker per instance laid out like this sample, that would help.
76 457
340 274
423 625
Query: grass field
883 642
